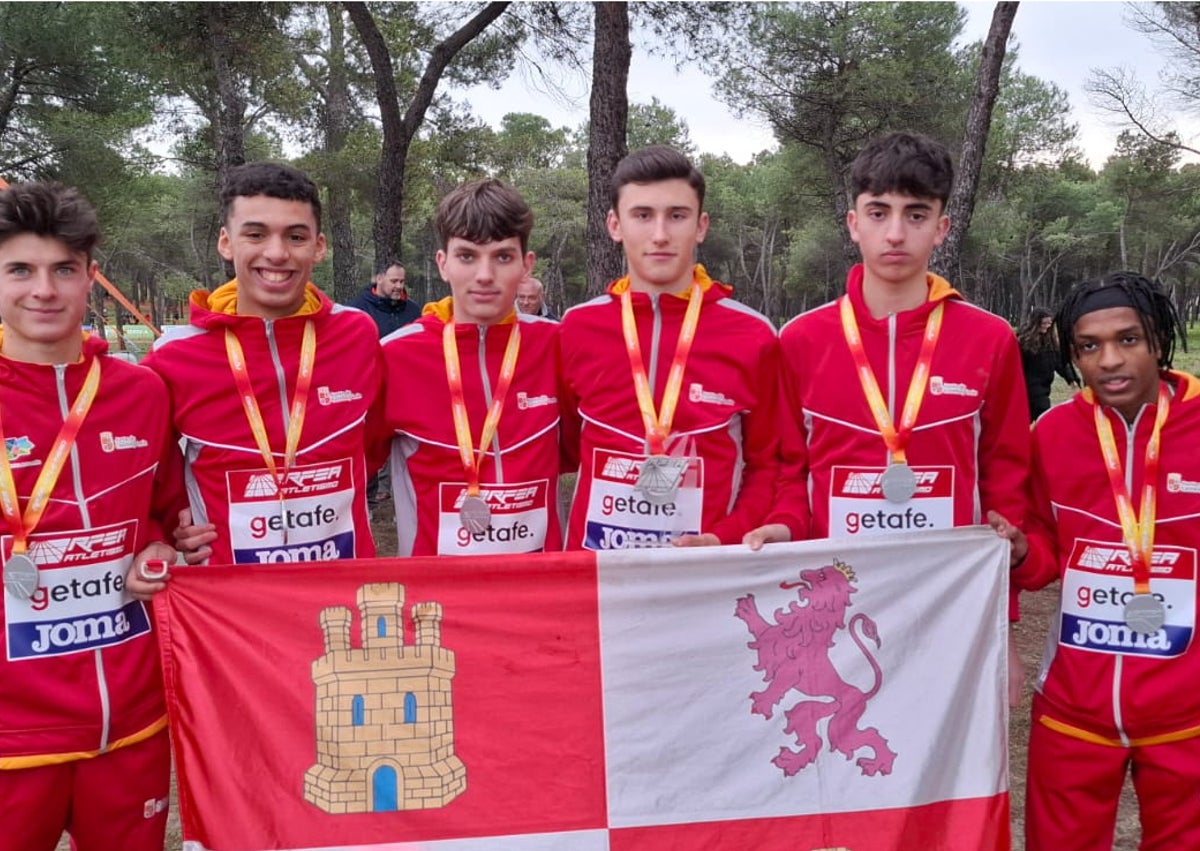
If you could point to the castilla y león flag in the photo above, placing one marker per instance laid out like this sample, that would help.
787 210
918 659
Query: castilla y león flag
838 694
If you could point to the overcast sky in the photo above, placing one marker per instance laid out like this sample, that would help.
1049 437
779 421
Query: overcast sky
1057 41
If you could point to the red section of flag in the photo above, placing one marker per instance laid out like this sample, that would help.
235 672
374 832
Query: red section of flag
979 824
239 657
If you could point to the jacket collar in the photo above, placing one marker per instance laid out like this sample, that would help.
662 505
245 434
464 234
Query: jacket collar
444 311
219 307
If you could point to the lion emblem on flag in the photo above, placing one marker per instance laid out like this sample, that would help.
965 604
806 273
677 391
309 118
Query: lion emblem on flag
793 653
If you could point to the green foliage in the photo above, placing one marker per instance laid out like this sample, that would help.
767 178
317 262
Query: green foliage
833 75
105 90
656 124
68 108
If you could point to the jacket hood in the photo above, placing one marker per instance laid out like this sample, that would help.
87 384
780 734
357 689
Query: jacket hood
218 309
709 288
939 291
93 345
444 310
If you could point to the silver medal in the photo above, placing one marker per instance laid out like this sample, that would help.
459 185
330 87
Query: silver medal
659 478
20 576
898 483
474 515
1145 614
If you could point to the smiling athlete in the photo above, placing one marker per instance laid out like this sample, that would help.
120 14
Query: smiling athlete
272 386
88 479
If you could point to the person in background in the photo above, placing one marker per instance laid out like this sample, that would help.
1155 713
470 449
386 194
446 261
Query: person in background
1041 358
386 301
531 299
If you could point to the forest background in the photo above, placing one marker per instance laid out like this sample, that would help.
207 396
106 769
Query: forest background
144 106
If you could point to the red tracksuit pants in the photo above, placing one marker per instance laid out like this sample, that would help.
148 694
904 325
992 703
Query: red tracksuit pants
114 802
1072 790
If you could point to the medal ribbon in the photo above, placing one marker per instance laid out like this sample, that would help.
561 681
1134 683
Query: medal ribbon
241 376
1138 531
23 526
658 425
462 422
896 439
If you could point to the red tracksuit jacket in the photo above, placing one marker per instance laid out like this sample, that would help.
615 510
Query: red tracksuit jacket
79 673
970 447
726 418
1098 677
229 484
519 471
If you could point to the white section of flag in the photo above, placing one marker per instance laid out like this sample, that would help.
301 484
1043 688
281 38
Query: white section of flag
682 744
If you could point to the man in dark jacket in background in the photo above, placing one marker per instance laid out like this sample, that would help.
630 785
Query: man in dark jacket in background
386 301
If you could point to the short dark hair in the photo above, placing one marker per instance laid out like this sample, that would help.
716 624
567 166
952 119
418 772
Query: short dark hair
49 210
654 164
484 211
273 180
1155 310
907 163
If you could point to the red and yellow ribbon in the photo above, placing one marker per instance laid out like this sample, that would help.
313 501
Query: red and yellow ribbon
1137 529
896 439
658 424
472 461
299 405
22 525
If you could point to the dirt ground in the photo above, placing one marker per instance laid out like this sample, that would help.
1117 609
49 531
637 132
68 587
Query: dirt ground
1036 611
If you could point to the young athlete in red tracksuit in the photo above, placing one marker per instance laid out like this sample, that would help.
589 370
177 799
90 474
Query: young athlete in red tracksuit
506 385
83 741
708 435
969 450
271 382
949 421
1117 690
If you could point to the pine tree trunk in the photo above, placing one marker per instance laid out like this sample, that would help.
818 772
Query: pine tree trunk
979 121
611 55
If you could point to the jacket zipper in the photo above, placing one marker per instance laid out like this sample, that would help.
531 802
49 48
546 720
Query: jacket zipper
280 377
1118 662
64 407
487 400
891 375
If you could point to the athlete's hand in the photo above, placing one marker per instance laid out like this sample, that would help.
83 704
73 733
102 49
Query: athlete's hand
1020 544
193 540
772 533
136 582
708 539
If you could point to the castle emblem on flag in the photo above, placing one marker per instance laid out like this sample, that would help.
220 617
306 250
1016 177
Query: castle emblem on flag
384 715
793 653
